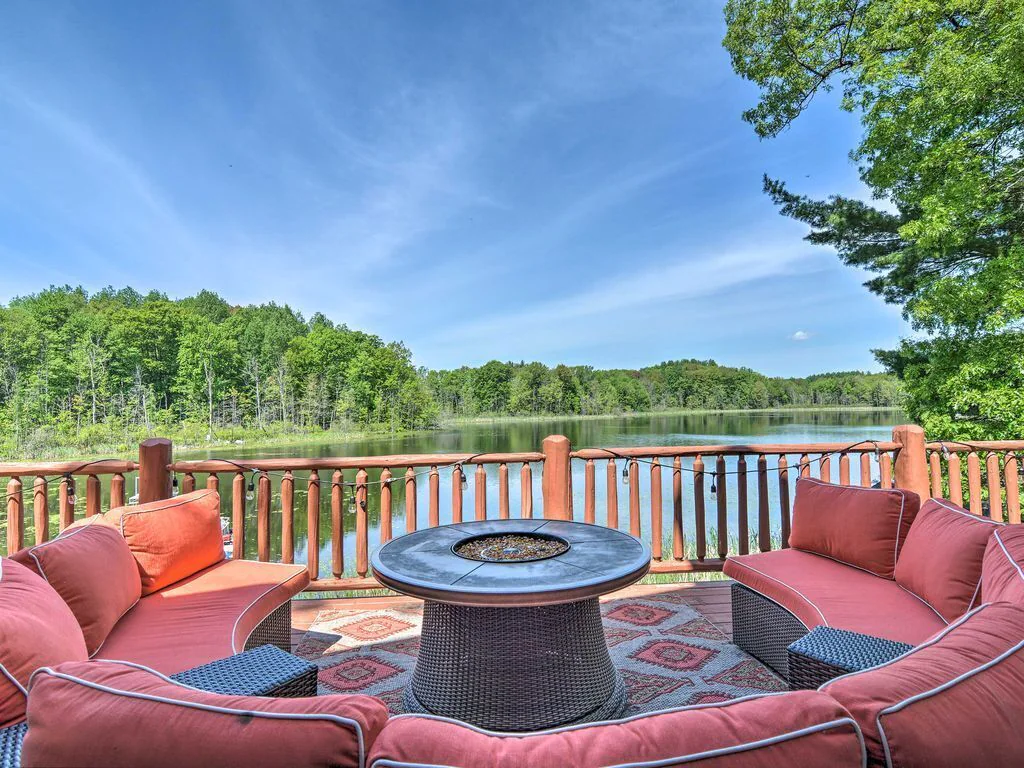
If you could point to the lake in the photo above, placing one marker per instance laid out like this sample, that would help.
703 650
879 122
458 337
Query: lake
512 435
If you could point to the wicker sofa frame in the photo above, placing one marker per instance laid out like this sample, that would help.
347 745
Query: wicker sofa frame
763 628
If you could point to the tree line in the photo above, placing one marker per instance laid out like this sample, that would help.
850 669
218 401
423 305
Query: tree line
90 371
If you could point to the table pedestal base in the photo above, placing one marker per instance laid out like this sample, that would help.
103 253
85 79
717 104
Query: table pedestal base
515 669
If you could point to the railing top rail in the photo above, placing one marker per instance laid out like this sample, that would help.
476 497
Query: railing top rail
44 469
733 450
966 446
355 462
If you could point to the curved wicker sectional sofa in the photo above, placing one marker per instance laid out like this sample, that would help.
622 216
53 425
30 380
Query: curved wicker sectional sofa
942 579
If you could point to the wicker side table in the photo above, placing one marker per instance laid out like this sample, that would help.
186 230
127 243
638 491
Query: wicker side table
263 671
825 653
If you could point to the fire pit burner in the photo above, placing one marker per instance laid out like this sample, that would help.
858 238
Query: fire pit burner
512 547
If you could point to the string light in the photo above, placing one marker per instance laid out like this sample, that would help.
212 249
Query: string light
625 474
174 484
72 491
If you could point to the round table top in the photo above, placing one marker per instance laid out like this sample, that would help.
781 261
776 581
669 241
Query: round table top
599 560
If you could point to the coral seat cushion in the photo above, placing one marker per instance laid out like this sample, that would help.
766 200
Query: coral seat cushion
862 527
92 568
804 728
173 538
118 715
941 561
36 629
1002 570
949 703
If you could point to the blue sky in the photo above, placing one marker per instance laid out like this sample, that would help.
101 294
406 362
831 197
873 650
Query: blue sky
556 181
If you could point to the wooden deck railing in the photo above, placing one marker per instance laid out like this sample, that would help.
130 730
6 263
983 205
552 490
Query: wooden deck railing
695 505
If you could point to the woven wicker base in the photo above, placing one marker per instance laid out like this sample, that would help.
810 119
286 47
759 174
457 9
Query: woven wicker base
763 628
264 671
276 629
515 669
10 745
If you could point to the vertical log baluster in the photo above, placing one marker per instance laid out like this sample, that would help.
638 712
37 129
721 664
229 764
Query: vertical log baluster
805 465
457 477
956 481
188 482
117 491
503 491
974 482
995 487
844 469
362 525
865 470
634 498
410 500
935 473
288 517
656 509
885 469
613 495
526 491
589 501
65 509
313 525
678 532
825 468
723 508
764 532
40 510
212 482
263 495
1010 470
700 524
741 505
15 516
337 523
784 494
385 506
238 517
433 512
93 495
480 492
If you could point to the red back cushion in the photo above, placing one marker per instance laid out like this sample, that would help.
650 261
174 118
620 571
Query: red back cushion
1002 569
941 561
947 702
114 714
802 728
36 629
862 527
173 538
92 568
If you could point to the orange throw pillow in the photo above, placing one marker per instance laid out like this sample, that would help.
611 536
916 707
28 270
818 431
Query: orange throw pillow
92 568
37 629
173 538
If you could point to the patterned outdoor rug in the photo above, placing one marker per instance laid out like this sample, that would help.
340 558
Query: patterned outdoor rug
668 653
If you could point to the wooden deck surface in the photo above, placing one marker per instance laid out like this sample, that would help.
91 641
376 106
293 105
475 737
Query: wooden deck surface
711 598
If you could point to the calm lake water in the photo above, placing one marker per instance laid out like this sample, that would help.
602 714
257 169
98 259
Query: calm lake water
512 436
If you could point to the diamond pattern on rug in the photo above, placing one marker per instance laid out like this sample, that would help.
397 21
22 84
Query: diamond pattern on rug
669 655
639 614
672 654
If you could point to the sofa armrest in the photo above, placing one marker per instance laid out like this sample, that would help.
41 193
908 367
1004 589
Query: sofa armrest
825 653
263 671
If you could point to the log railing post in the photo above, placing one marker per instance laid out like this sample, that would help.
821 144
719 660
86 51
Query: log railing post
555 478
154 477
911 466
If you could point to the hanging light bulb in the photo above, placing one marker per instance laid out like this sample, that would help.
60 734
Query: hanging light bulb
945 451
714 488
174 485
352 504
70 480
625 474
250 491
462 477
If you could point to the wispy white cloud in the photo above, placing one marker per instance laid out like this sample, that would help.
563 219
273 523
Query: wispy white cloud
800 336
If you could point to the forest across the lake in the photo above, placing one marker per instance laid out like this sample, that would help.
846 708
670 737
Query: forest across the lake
101 371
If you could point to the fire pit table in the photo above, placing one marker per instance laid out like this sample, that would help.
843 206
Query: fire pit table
512 637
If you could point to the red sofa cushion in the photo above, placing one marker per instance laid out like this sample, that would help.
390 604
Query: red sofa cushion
113 714
941 561
173 538
36 629
1002 569
862 527
819 591
799 728
92 568
949 702
209 615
